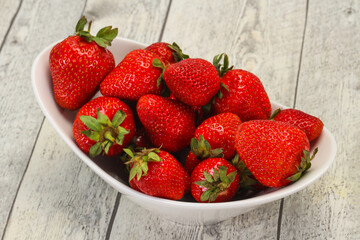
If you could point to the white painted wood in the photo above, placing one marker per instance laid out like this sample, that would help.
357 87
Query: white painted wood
329 88
134 222
20 117
60 198
139 20
9 9
265 38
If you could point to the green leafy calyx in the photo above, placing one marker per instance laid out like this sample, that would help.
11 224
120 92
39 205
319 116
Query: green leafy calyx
139 161
305 164
222 68
216 183
104 132
177 52
104 36
245 176
202 149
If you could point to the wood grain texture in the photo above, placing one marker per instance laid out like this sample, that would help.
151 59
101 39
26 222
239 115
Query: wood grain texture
263 39
329 87
134 222
20 116
60 197
137 20
9 9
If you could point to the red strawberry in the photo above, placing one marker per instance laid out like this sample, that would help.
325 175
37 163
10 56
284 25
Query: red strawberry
244 95
158 173
311 125
220 131
168 123
193 81
200 150
214 180
104 125
275 152
200 114
79 63
166 52
247 179
133 77
141 139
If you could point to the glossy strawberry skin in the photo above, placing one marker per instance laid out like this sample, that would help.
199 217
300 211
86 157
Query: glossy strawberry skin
108 106
168 123
311 125
191 162
220 131
133 77
165 179
162 51
77 67
208 165
246 97
271 150
193 81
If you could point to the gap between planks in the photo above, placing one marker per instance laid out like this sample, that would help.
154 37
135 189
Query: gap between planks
10 25
118 196
294 105
22 177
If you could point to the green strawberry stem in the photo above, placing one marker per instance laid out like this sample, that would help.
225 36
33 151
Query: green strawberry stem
305 164
139 161
246 182
104 36
222 68
165 90
104 132
202 149
216 183
275 113
177 54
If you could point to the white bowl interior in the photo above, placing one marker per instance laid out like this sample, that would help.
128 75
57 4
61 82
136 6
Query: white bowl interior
110 170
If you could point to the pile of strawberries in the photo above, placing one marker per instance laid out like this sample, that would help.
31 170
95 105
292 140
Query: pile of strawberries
158 104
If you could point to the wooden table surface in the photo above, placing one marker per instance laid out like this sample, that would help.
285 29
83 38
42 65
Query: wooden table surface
307 54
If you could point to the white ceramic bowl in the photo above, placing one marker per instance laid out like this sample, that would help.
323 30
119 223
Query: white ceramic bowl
188 212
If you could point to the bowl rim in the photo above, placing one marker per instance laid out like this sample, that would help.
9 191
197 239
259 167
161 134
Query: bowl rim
127 190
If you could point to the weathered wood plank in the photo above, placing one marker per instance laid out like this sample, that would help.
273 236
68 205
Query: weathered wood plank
329 87
134 222
21 117
60 198
8 12
262 37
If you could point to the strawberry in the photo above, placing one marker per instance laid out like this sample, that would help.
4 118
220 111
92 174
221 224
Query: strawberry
200 150
193 81
141 138
168 123
220 131
244 94
276 153
103 125
311 125
158 173
247 179
214 180
79 63
168 53
133 77
201 115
